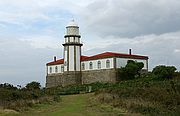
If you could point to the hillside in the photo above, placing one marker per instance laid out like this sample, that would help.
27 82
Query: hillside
146 96
141 96
71 105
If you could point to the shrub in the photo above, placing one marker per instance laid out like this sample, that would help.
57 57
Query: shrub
8 86
33 85
18 99
164 71
57 98
131 70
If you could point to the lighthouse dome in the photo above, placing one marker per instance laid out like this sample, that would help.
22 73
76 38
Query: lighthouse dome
72 23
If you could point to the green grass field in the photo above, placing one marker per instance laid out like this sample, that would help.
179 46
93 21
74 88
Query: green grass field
71 105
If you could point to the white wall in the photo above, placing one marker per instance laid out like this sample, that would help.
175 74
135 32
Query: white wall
59 66
77 40
72 39
71 58
66 40
78 58
95 64
65 58
121 62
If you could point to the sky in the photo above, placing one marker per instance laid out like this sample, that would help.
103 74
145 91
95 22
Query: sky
32 32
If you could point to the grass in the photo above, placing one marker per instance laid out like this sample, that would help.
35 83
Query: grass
146 96
71 105
8 112
21 99
141 96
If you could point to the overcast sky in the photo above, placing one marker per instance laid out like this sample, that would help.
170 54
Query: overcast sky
31 32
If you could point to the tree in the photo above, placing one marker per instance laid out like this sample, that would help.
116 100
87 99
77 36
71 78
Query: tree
131 70
163 71
33 86
8 86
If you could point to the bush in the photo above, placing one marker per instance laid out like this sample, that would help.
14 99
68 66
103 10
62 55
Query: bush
18 99
164 71
8 86
33 86
147 96
131 70
57 98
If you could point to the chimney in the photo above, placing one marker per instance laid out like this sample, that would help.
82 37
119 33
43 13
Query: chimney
130 52
54 58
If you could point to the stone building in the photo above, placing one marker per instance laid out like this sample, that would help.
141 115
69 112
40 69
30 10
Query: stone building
76 68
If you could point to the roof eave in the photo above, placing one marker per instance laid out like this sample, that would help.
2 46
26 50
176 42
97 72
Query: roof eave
88 59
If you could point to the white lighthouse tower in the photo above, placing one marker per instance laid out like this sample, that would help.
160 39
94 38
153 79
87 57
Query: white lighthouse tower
72 48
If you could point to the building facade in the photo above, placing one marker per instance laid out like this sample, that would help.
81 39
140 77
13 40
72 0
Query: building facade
75 68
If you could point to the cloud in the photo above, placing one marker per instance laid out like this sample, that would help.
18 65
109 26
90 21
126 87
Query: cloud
31 32
177 51
22 63
161 49
42 41
16 11
127 18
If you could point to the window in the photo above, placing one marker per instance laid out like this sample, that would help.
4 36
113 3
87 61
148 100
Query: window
62 68
99 64
50 70
83 66
90 65
107 64
56 69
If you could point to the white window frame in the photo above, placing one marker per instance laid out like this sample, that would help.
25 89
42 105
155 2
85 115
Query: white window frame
90 65
107 63
99 64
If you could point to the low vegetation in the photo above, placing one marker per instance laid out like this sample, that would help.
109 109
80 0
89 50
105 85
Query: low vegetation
21 98
164 72
131 70
155 93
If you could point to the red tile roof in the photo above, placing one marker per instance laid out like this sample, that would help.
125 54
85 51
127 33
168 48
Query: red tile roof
61 61
112 54
101 56
84 57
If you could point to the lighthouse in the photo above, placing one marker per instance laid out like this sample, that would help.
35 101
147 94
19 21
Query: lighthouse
75 69
72 48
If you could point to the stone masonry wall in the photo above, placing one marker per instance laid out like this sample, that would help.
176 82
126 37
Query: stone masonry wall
54 80
84 77
71 78
64 79
106 75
